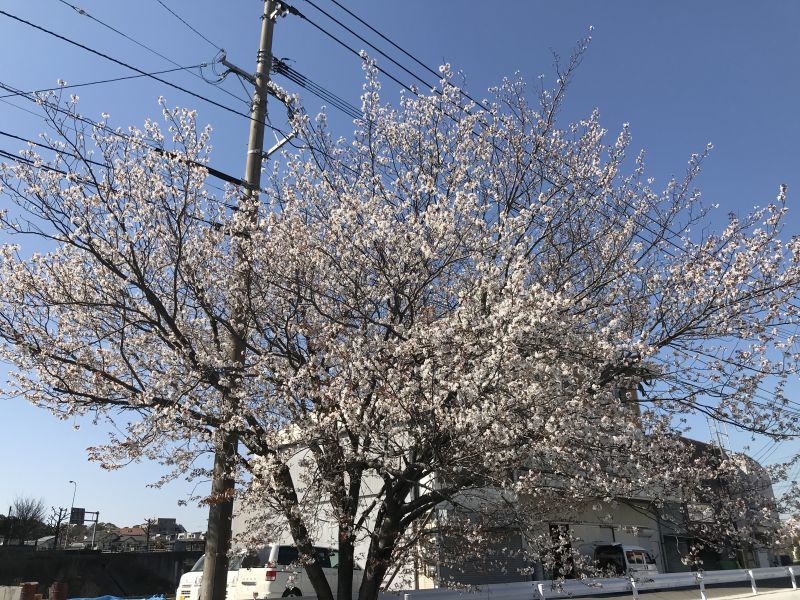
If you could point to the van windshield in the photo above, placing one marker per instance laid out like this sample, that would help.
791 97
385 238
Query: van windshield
198 566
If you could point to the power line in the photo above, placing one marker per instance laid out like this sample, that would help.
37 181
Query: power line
658 238
371 28
362 39
400 48
591 194
89 182
182 20
297 13
212 171
22 108
129 66
280 67
27 161
767 402
48 147
84 13
101 81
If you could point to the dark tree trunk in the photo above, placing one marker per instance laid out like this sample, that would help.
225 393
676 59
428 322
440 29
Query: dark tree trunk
384 538
299 531
346 564
347 534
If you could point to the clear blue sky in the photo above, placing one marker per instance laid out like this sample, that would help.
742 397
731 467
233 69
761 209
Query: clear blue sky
682 73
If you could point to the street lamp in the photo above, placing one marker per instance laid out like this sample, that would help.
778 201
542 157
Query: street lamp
71 506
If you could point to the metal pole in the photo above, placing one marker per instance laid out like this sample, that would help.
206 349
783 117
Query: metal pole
71 506
752 581
701 583
94 529
220 511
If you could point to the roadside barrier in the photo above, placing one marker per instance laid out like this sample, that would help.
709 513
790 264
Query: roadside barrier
607 586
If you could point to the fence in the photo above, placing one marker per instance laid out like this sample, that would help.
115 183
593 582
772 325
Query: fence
549 590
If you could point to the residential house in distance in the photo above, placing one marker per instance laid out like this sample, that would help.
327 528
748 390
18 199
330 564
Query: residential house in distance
128 539
195 540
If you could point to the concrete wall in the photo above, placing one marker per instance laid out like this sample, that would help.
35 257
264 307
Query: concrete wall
91 573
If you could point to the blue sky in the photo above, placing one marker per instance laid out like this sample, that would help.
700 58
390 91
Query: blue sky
682 73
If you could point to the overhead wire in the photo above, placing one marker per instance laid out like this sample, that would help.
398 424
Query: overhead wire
212 171
329 96
384 37
65 152
300 80
27 161
368 43
84 13
22 160
767 402
129 66
462 92
296 12
318 27
182 20
101 81
280 67
22 108
53 148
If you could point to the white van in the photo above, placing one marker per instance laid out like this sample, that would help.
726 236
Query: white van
189 584
275 571
624 560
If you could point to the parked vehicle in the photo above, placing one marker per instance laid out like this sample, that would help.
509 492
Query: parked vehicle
275 571
623 560
189 584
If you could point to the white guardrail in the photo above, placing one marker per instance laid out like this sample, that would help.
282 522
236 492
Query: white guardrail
546 590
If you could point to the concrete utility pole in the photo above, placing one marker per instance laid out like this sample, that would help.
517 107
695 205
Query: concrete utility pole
220 511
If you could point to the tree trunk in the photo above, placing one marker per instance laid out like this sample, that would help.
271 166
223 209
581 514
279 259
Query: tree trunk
299 533
347 535
380 549
344 590
220 513
374 573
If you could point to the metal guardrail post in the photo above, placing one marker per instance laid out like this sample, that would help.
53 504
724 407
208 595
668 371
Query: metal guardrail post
406 596
540 590
699 578
634 589
752 581
790 570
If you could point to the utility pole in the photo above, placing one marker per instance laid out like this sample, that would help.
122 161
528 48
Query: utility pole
147 536
220 510
71 506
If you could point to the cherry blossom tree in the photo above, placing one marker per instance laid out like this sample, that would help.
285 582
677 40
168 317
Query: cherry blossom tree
468 291
457 320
